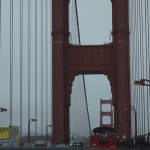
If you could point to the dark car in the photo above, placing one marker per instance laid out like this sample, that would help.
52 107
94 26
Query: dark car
42 144
8 144
28 145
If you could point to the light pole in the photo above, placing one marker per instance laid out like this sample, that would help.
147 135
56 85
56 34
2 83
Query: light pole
30 120
78 138
73 136
135 114
3 109
47 131
144 82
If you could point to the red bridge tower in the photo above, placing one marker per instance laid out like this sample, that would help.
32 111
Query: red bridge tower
110 59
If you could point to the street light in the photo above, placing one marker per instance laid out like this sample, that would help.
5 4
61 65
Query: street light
47 131
30 120
133 108
3 109
144 82
78 138
73 136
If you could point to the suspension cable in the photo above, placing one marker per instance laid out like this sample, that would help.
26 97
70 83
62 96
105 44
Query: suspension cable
42 67
29 56
147 57
11 59
46 59
148 47
76 9
21 62
0 27
36 67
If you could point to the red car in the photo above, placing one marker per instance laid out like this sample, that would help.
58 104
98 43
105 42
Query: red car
103 137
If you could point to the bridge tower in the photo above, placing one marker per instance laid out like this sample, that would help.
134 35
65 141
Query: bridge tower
109 59
106 113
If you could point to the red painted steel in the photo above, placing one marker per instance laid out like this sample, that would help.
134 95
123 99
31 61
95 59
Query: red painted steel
103 138
70 60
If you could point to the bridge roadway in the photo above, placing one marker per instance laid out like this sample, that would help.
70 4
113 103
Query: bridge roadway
66 148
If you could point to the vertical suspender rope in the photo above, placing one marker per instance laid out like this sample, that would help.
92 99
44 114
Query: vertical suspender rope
139 69
148 47
132 72
83 74
29 55
142 63
46 59
136 57
0 27
147 58
137 48
42 67
21 62
50 66
11 59
134 49
139 61
36 67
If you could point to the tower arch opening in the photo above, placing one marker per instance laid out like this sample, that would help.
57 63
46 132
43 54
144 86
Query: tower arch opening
97 86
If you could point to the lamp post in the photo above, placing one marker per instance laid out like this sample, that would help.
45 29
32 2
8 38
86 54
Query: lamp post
78 138
47 131
3 109
30 120
135 114
144 82
73 136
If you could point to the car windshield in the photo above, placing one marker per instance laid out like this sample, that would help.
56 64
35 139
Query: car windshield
104 131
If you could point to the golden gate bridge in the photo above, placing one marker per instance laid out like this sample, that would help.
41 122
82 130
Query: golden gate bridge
26 68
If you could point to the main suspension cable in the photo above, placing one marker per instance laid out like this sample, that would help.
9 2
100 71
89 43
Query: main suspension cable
76 9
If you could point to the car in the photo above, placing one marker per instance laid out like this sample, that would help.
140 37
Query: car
28 145
42 144
8 144
103 137
77 145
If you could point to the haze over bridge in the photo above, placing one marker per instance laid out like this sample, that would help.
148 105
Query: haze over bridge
26 66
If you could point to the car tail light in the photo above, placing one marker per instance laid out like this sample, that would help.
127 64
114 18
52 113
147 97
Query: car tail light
93 142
